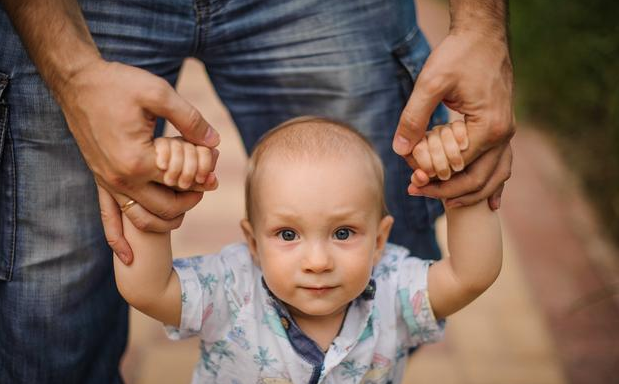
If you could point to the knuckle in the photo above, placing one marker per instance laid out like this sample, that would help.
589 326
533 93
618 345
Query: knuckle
106 218
129 164
507 174
436 149
445 132
116 180
476 182
194 119
176 223
141 222
176 144
419 151
499 129
168 212
159 91
113 243
410 120
432 84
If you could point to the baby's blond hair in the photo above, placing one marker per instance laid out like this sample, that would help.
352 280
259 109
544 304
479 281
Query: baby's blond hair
312 137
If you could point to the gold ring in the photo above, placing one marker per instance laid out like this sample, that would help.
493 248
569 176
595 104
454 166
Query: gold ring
127 205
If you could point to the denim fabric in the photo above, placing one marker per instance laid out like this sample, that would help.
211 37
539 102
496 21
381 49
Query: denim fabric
354 61
61 318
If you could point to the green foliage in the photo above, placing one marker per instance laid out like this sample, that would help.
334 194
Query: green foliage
566 62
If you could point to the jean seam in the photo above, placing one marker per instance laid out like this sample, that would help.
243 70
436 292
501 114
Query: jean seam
14 234
201 9
7 141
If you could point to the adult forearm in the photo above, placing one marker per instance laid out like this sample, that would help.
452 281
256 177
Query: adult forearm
485 16
56 37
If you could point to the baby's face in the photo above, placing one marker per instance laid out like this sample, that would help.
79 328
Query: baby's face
317 232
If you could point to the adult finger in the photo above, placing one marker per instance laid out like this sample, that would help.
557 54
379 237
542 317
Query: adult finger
162 100
427 94
494 184
113 226
420 178
163 201
146 221
494 202
471 180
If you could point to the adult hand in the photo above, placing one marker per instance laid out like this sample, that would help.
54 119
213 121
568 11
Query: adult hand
471 73
111 109
474 180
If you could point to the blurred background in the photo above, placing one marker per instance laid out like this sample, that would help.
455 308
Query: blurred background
553 314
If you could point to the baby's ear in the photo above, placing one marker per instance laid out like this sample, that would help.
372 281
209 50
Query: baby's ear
384 228
248 231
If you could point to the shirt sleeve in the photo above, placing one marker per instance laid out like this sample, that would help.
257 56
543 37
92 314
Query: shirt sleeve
213 289
413 301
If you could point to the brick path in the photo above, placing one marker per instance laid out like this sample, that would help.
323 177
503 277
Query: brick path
533 326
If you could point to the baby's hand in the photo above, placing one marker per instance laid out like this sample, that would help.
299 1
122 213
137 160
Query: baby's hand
439 153
186 164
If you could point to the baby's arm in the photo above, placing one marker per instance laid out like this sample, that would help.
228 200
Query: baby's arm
150 284
473 232
474 262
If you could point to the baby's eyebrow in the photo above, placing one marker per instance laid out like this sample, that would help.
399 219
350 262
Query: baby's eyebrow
347 214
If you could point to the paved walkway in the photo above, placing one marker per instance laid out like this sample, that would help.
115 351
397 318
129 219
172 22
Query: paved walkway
550 317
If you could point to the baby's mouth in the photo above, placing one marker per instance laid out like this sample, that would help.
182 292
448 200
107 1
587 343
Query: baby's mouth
319 290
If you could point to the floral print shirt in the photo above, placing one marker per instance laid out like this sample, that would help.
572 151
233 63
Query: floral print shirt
247 335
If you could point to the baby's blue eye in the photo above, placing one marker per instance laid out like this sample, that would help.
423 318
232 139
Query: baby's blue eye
343 233
287 235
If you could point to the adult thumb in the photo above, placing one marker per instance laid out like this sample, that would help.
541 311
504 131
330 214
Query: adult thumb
426 95
167 103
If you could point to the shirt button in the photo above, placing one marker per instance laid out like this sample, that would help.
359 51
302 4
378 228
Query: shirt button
285 323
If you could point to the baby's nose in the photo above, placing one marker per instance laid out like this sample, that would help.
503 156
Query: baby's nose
317 260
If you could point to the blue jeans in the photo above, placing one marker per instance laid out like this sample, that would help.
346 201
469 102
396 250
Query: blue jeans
61 318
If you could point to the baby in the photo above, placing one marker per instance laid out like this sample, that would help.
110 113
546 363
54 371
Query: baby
316 294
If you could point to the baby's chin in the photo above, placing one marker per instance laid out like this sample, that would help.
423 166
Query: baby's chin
320 309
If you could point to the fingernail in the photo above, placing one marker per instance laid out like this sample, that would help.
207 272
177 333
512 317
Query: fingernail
414 191
444 176
160 163
211 178
167 181
123 257
458 167
496 203
212 137
464 144
401 145
454 205
215 156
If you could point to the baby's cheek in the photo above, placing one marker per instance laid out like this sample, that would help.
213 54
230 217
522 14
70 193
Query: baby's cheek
357 277
278 279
